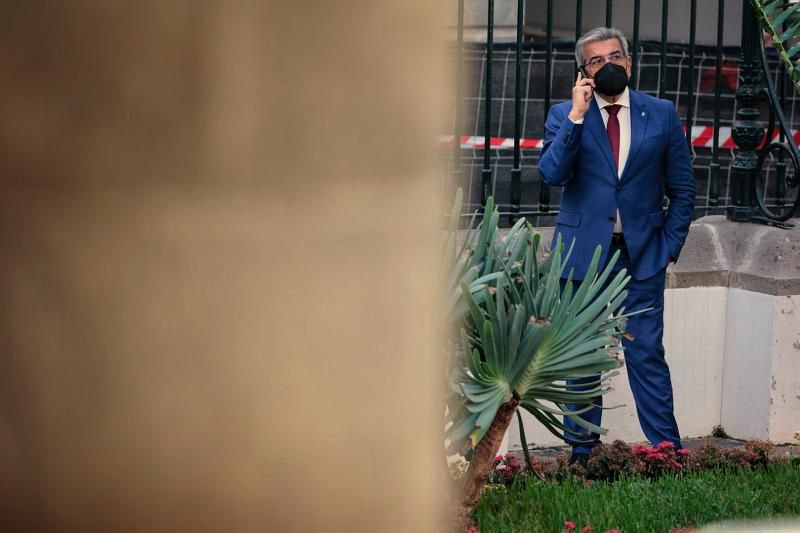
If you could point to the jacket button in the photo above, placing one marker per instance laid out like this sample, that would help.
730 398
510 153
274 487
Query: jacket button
612 219
619 189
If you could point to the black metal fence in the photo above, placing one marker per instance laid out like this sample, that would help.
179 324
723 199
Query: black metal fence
505 91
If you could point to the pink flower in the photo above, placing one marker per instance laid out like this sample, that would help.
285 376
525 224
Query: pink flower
611 531
587 528
570 525
665 444
683 451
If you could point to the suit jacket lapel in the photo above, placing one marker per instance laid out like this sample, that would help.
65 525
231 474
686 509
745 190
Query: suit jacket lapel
594 123
639 115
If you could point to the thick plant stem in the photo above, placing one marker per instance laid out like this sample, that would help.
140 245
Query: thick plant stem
482 460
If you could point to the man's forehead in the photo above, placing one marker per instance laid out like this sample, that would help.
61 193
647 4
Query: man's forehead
602 48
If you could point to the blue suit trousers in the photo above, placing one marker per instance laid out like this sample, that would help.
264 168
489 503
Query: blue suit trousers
648 372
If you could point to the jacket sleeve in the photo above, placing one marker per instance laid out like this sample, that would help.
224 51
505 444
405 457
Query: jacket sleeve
562 141
679 186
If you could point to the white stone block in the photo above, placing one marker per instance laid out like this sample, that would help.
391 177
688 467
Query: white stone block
746 384
784 406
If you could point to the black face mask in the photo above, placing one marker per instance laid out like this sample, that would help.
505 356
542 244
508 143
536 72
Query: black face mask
611 80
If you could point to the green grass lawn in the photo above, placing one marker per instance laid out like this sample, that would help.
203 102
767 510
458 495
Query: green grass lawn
632 505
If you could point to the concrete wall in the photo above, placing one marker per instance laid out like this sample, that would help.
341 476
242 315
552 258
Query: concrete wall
732 337
762 367
594 14
476 13
784 410
748 364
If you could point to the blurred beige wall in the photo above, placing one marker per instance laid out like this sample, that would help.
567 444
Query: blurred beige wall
217 266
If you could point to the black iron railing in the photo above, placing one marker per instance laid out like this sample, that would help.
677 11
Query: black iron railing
700 79
714 167
747 132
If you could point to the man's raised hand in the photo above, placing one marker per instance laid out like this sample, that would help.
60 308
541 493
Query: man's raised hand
581 97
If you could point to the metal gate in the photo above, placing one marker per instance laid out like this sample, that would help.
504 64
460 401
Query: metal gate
505 89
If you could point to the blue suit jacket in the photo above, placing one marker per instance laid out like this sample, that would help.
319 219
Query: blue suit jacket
578 157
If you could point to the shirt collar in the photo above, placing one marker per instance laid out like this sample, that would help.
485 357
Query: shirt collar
624 100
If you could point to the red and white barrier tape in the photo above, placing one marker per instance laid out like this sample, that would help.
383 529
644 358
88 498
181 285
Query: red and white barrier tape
702 137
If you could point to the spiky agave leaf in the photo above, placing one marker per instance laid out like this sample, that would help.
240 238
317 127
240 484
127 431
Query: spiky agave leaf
481 258
773 14
482 389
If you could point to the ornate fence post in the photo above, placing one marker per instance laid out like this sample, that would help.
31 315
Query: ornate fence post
747 133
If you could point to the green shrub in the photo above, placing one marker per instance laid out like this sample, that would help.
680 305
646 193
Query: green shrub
707 456
612 461
718 432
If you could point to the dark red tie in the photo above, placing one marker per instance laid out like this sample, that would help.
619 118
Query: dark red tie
612 129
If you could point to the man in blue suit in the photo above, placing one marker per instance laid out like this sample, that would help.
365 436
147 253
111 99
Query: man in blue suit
617 152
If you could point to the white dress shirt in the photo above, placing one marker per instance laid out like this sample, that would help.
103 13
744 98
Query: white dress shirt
624 117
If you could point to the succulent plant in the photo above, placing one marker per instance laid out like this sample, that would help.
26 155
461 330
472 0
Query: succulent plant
521 337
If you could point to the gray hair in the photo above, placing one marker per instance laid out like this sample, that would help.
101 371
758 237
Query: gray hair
597 35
